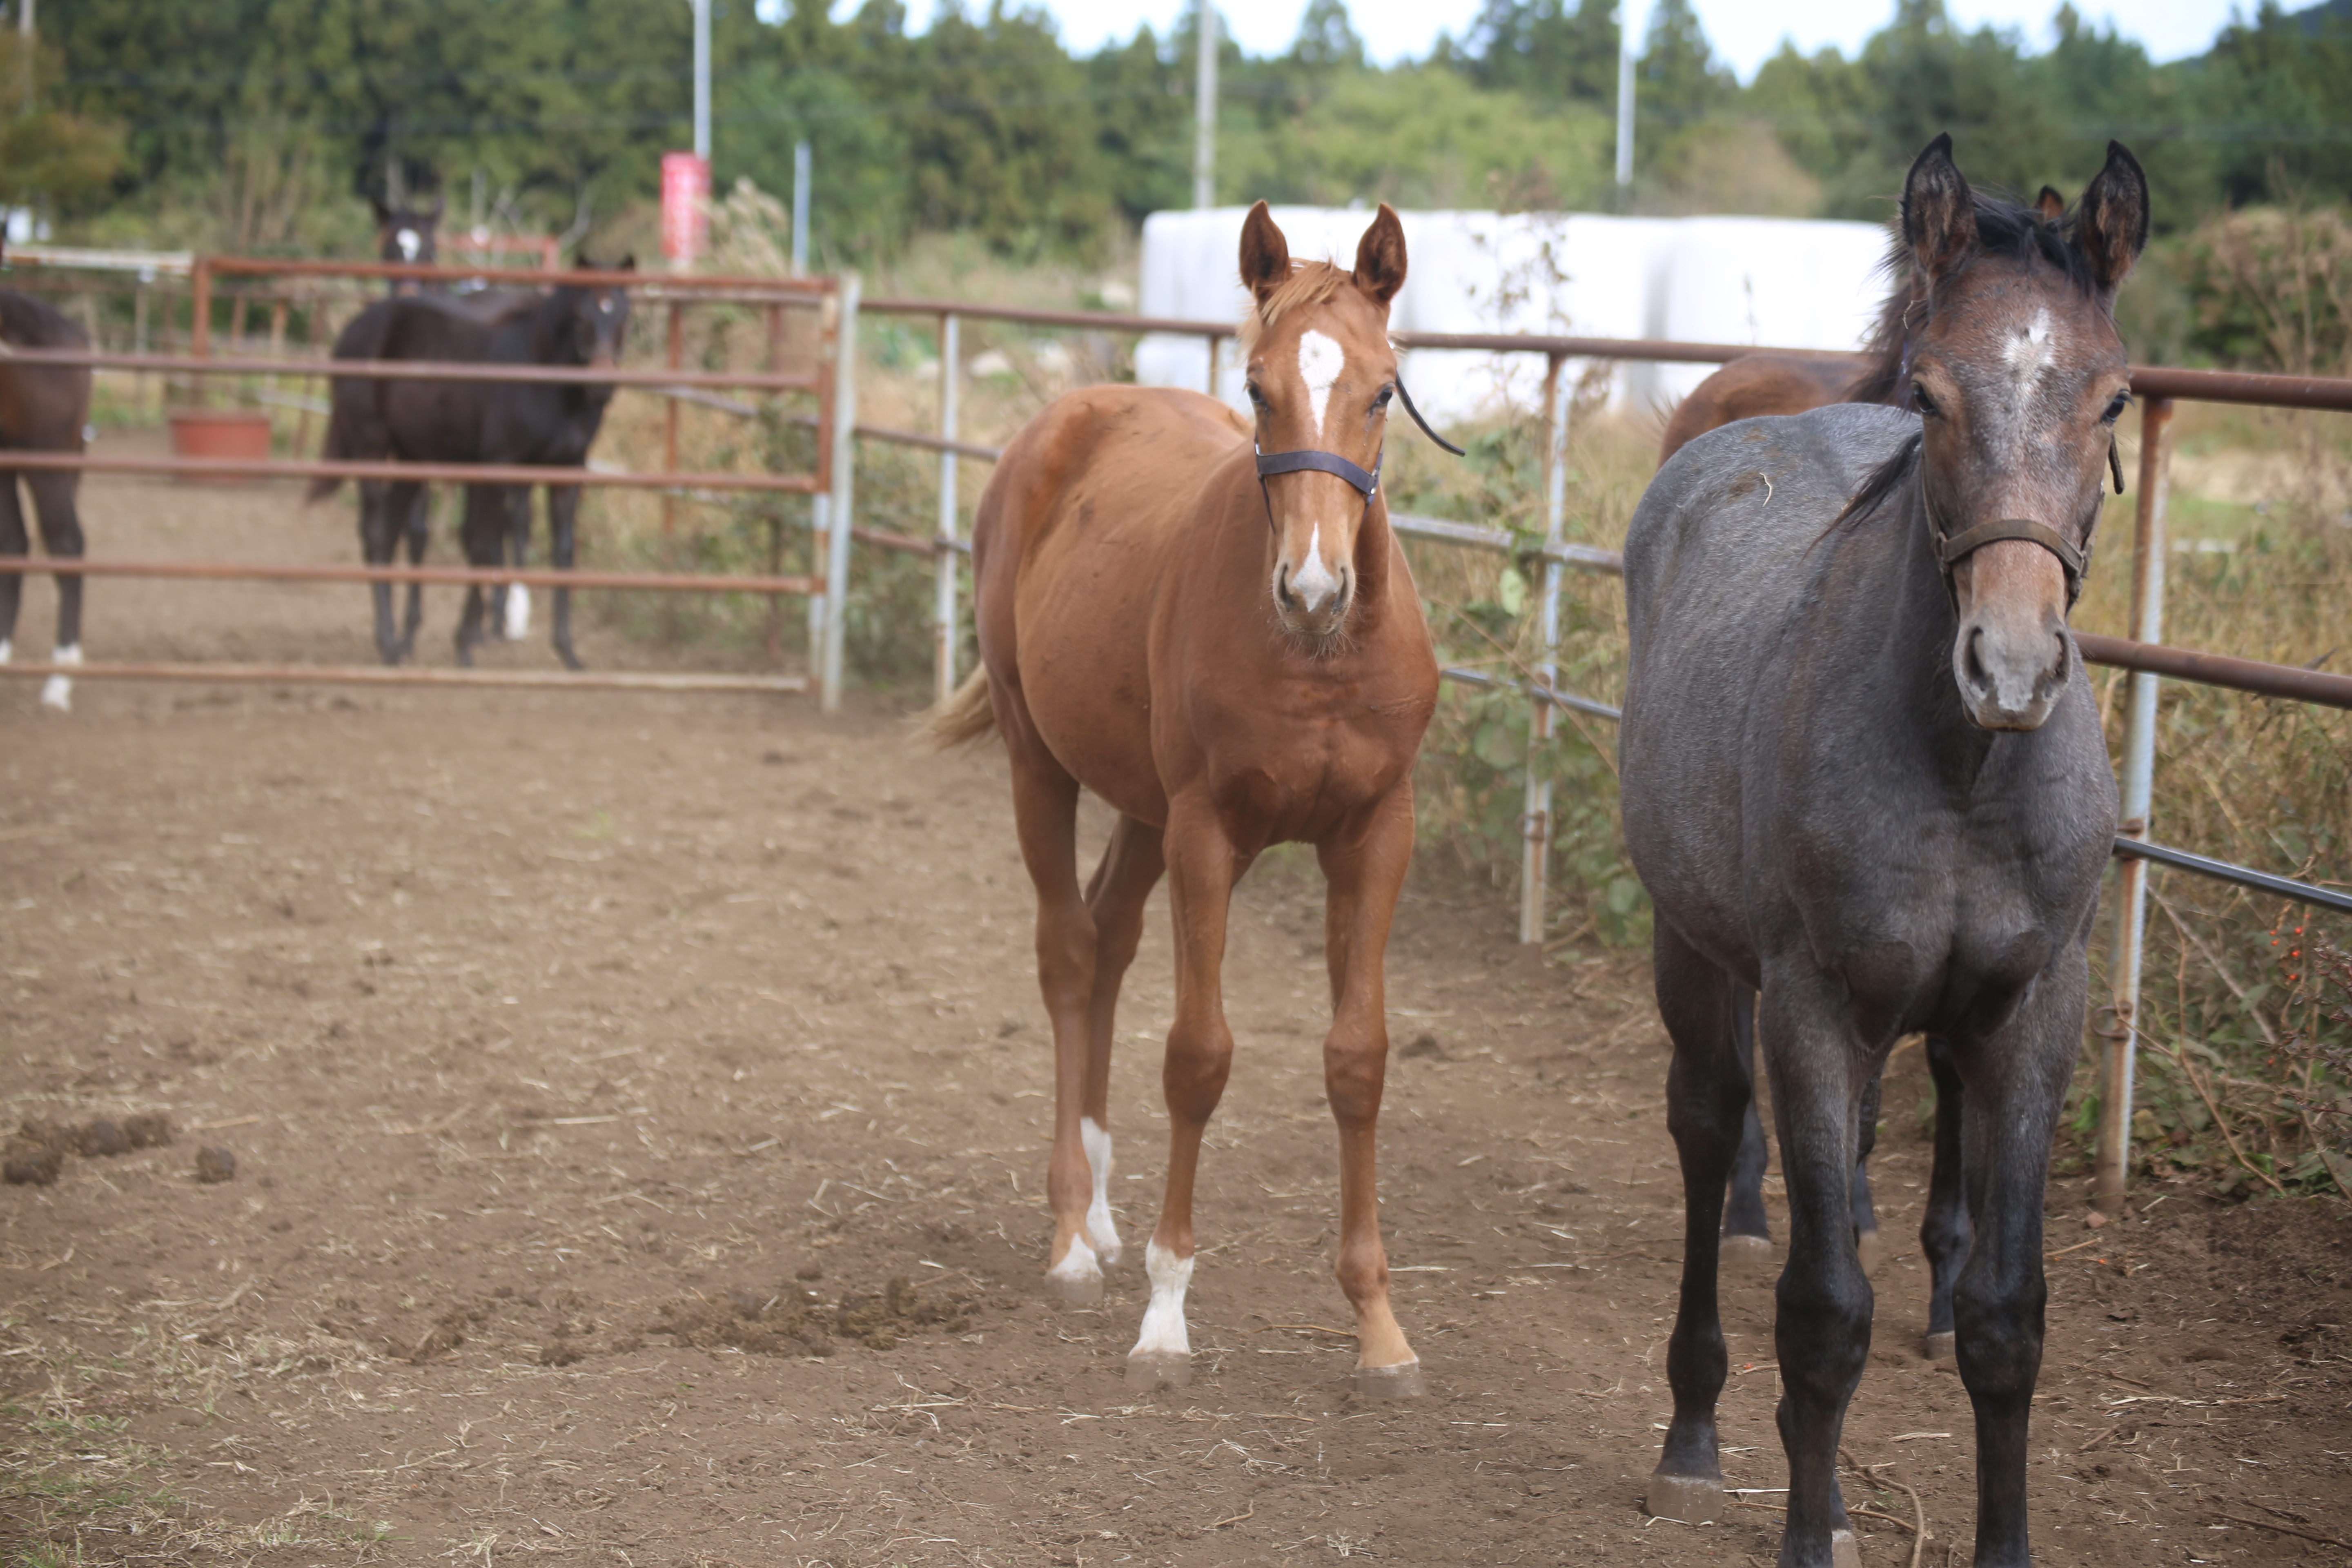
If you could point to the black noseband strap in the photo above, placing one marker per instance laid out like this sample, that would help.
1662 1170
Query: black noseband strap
1272 463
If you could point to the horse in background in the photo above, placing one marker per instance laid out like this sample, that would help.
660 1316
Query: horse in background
1864 779
42 408
408 235
571 325
1232 664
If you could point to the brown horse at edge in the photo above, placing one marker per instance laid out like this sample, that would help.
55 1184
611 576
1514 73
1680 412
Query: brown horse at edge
1754 385
1230 661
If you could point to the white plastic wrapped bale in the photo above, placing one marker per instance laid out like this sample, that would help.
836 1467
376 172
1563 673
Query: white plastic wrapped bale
1778 282
1783 282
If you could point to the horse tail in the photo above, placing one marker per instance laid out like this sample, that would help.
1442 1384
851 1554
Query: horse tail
966 716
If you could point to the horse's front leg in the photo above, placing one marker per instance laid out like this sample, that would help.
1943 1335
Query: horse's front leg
1203 865
1710 1099
1365 869
1944 1229
484 531
417 518
563 543
61 536
2015 1085
1130 868
1822 1328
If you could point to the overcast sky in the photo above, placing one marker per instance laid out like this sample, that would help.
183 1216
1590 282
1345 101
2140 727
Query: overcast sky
1744 32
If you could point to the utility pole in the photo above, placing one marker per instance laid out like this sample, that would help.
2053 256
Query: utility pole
800 208
701 80
1204 111
1629 49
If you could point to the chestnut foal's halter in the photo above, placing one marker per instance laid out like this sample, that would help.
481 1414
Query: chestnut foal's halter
2074 558
1272 463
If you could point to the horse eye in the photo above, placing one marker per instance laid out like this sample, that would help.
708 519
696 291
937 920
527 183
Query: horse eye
1921 401
2115 409
1257 394
1383 400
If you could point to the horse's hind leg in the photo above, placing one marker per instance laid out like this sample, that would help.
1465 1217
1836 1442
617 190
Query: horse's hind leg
484 531
1046 815
1747 1230
61 537
1865 1212
1943 1232
1365 870
1707 1096
1203 865
14 541
1130 868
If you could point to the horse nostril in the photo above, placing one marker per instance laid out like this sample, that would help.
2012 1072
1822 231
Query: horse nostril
1282 587
1978 677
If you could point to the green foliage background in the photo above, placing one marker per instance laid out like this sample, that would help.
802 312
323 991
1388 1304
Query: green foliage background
258 123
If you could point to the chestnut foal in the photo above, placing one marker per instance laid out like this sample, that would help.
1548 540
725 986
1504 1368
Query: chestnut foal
1206 621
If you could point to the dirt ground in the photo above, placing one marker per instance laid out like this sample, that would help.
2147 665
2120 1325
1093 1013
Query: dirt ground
639 1106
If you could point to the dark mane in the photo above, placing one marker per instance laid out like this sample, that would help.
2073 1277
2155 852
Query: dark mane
1876 489
2005 229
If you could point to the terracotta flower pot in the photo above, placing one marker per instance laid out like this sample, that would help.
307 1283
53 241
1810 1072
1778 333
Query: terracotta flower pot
220 433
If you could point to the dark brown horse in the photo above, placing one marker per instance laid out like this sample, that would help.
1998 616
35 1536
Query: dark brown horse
1865 778
42 409
407 234
1231 652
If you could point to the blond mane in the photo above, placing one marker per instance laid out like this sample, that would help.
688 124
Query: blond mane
1309 283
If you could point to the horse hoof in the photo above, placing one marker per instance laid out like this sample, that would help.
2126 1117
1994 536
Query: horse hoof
1746 1251
1845 1552
1938 1347
1688 1499
1868 1252
1075 1289
1403 1381
1149 1369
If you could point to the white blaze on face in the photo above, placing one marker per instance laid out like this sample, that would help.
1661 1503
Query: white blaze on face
1321 362
2029 353
1164 1320
409 243
1099 1226
1314 583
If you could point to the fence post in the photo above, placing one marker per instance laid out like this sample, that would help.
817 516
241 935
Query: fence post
2113 1162
1535 818
845 470
200 326
943 653
676 348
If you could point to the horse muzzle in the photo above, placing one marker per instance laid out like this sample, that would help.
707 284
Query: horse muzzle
1313 601
2011 656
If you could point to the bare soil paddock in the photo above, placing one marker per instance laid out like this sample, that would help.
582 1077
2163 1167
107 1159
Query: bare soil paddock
639 1111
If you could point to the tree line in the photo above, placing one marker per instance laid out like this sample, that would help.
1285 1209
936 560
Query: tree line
258 123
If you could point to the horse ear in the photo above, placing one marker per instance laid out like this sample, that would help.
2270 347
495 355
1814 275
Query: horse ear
382 213
2050 204
440 201
1379 258
2111 227
1266 255
1939 212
